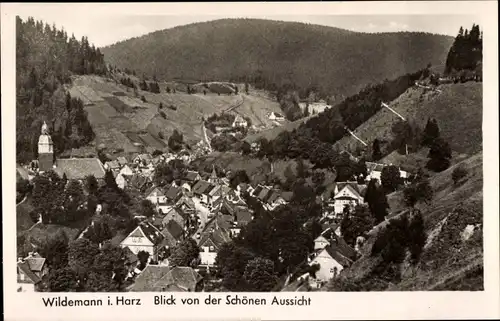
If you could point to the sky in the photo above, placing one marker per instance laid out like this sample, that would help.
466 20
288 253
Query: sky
105 29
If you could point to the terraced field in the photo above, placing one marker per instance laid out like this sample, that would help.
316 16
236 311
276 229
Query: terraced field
123 121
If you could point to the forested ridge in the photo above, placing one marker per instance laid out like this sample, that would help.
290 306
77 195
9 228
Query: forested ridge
46 57
278 54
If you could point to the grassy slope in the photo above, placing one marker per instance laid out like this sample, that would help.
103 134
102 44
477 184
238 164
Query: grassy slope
111 124
441 266
340 61
457 109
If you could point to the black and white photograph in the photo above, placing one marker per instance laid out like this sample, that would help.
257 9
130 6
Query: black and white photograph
251 153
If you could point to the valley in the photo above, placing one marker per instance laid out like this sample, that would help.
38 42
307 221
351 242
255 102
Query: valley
313 159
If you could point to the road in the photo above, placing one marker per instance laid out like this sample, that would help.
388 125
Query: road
202 212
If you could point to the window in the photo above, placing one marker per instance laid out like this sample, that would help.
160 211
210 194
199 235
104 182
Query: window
211 249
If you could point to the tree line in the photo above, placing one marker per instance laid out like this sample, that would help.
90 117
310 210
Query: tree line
45 59
466 53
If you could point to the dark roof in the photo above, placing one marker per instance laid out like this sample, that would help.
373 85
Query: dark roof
202 187
148 277
175 229
138 181
191 176
45 162
131 257
173 193
25 268
186 200
264 193
79 168
358 188
287 196
151 232
176 210
178 278
274 196
243 216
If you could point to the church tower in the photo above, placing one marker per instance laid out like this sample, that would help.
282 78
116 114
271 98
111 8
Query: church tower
45 150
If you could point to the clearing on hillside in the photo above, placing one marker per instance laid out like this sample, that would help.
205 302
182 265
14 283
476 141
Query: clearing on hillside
457 109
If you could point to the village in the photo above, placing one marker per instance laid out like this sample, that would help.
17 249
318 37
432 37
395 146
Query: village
201 206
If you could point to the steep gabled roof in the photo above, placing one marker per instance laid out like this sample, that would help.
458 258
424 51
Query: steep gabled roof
192 176
149 231
156 191
202 187
243 216
175 229
148 277
25 268
178 278
79 168
173 193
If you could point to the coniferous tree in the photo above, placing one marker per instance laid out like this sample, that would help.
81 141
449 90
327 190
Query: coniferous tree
376 152
439 156
431 132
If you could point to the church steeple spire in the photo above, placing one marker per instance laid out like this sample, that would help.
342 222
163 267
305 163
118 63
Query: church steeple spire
45 149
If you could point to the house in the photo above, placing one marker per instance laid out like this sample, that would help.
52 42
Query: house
30 272
331 260
276 116
274 200
374 171
239 122
192 177
121 181
202 189
242 216
122 161
347 194
144 237
173 233
329 235
216 233
112 166
138 182
176 214
173 194
156 278
156 196
126 170
186 204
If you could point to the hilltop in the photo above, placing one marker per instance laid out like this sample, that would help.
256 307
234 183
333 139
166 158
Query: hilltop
274 53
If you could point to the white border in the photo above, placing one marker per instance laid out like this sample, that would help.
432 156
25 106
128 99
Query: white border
386 305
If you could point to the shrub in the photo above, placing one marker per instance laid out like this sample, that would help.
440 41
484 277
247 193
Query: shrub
172 107
458 174
163 115
143 99
420 191
160 134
